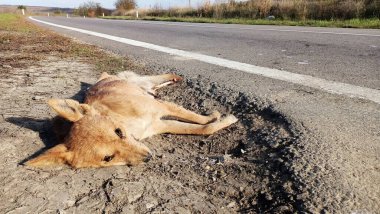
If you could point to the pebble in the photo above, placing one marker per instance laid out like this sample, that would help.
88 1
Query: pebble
160 156
231 204
37 98
217 160
7 66
150 205
303 63
273 144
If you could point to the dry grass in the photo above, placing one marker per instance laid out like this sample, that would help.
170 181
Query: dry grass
351 23
318 13
281 9
33 44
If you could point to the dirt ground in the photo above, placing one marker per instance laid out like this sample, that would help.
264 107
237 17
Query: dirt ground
244 168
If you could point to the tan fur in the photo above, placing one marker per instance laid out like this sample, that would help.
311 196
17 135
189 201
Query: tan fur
117 112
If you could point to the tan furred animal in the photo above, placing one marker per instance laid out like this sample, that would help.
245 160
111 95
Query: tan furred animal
118 112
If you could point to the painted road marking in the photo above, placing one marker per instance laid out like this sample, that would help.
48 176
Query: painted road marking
305 80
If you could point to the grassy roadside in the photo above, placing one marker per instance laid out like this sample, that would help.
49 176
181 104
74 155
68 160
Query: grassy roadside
33 44
15 23
352 23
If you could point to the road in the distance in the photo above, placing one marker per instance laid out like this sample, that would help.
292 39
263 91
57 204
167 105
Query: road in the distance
342 134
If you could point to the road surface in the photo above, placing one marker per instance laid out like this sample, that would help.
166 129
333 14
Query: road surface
325 80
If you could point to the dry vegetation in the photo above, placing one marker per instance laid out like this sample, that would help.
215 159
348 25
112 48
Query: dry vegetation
317 13
282 9
15 32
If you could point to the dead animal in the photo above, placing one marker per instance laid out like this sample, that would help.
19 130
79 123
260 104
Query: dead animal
118 111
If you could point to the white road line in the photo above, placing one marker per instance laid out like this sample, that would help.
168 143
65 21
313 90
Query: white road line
305 80
202 25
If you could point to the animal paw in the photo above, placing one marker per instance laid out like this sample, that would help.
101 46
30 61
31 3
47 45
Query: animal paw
215 115
176 78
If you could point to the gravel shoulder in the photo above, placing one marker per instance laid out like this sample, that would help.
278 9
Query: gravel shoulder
244 168
269 162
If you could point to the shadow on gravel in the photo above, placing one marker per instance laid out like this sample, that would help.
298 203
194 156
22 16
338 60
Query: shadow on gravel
51 131
43 127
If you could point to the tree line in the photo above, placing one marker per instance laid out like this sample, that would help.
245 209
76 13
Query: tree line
92 8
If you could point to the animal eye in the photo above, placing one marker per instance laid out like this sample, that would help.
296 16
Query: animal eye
108 158
119 133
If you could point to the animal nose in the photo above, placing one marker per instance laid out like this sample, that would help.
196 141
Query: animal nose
148 157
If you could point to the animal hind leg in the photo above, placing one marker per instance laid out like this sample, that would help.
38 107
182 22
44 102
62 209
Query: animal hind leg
178 127
183 114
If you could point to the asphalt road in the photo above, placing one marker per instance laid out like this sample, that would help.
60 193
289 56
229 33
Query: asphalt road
341 133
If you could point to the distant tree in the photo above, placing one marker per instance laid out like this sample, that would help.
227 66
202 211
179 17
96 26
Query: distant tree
20 7
89 8
125 5
57 12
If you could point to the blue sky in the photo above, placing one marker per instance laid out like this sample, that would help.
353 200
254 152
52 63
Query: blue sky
105 3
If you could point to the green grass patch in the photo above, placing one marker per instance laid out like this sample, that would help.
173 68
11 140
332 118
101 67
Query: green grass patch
14 22
351 23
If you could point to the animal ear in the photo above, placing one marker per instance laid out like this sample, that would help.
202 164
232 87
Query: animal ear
69 109
57 155
103 76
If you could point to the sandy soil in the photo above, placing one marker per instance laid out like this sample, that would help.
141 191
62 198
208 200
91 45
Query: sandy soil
245 168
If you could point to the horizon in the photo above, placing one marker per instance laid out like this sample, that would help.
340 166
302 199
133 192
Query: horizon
104 3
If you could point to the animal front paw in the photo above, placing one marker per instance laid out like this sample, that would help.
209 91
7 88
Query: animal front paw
215 116
176 78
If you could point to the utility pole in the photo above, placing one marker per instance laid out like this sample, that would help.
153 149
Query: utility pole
189 3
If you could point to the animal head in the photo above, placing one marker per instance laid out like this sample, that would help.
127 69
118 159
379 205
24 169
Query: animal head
94 140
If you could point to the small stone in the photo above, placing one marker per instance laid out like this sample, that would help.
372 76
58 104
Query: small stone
305 62
217 160
207 167
7 66
231 204
150 205
268 197
274 144
37 98
61 211
70 203
222 173
160 155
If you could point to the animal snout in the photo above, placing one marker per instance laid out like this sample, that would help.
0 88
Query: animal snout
148 157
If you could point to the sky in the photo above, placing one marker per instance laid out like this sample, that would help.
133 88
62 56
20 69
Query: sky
104 3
